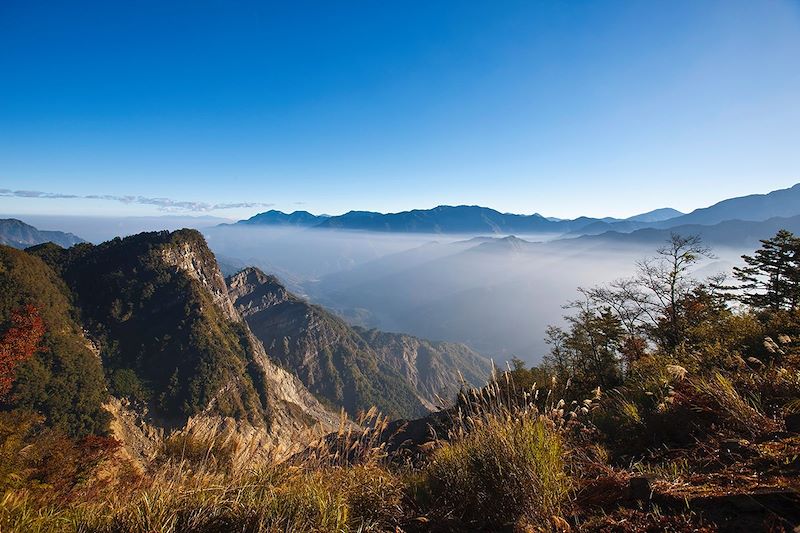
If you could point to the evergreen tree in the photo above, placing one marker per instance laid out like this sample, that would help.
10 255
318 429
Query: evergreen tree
770 279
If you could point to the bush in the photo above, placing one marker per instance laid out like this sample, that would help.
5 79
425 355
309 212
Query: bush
506 468
126 384
45 463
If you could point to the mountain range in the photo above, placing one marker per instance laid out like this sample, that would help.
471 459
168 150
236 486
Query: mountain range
466 219
783 203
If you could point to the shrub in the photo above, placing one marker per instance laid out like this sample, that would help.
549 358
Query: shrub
45 462
506 468
124 383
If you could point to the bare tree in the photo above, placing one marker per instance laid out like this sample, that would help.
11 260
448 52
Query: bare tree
650 303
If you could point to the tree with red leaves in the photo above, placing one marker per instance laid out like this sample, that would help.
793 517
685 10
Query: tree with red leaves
19 342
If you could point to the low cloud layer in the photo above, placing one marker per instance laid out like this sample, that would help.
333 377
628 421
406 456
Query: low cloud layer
163 204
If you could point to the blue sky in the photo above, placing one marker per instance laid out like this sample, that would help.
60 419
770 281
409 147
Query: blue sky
563 108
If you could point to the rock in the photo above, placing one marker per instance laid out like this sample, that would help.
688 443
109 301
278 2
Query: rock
327 353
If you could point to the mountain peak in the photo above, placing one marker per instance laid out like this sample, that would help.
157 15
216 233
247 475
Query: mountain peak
253 291
656 215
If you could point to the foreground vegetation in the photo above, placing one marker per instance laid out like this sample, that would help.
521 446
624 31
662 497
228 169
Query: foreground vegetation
666 403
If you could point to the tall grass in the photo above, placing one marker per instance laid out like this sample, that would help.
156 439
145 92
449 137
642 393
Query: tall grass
717 395
503 461
504 470
200 483
500 463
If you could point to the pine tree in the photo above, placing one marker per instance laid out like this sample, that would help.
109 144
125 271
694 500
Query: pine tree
771 278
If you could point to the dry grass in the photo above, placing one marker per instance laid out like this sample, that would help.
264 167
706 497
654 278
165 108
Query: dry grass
511 459
716 395
503 463
504 470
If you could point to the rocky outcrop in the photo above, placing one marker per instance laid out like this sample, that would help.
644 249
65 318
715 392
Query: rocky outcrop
254 292
401 375
295 415
196 260
326 354
437 370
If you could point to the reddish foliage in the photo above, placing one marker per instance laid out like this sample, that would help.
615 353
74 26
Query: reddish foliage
94 449
19 342
64 465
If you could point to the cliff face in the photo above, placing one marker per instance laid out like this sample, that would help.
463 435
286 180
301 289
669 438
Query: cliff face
171 341
399 374
435 369
328 356
192 256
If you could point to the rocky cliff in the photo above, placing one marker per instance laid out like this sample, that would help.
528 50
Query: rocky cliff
436 370
399 374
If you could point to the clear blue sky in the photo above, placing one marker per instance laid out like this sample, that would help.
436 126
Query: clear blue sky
562 107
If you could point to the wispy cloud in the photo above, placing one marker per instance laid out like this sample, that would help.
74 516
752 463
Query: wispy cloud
163 204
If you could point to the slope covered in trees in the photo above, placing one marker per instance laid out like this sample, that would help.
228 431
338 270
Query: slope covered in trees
63 380
437 370
157 307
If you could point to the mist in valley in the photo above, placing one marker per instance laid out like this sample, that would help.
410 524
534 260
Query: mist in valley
496 294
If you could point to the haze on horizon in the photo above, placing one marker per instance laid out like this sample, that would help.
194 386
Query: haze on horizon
566 109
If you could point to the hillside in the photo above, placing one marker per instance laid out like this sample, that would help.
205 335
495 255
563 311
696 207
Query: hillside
436 370
18 234
64 379
169 338
336 362
629 424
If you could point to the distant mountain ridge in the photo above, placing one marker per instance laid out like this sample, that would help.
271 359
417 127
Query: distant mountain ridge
443 219
17 234
656 215
738 233
753 207
473 219
783 203
279 218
